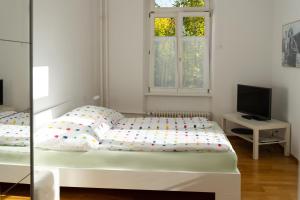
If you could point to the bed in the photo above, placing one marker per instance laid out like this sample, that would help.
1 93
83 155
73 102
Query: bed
14 146
194 171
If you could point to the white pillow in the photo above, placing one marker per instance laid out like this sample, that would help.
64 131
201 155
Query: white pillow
77 130
64 135
112 117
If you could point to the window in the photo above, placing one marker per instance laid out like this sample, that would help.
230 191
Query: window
180 3
179 49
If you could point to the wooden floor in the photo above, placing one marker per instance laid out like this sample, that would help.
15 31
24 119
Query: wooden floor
272 177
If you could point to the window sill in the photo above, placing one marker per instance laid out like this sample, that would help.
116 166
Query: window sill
178 95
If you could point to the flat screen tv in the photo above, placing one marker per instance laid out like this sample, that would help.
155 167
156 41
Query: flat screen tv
255 102
1 92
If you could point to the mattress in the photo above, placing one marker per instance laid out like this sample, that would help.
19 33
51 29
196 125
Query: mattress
121 160
10 155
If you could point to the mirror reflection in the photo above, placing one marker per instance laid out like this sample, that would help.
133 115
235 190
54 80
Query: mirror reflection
139 96
14 99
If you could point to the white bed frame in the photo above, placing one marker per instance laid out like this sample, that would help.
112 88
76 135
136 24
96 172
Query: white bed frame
225 185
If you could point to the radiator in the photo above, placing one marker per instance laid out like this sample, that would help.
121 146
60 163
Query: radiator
206 115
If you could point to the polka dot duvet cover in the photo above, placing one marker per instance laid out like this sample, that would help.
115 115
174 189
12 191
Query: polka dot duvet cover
14 135
165 135
14 129
95 128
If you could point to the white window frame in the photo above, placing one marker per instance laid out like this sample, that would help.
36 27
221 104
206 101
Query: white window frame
178 15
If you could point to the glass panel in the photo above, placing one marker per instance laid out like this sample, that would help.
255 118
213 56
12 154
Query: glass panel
193 57
193 51
164 27
165 62
14 99
179 3
165 52
194 26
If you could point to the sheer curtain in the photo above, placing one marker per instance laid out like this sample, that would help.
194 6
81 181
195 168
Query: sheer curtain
165 62
192 65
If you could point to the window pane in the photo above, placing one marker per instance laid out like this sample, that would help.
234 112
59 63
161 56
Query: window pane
194 26
164 27
193 61
179 3
165 62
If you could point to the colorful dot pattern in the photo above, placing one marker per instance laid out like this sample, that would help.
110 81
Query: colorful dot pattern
77 130
14 118
63 135
90 128
165 134
14 135
6 113
111 117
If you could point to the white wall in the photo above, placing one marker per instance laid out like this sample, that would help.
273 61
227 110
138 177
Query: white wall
241 54
14 57
286 80
125 55
14 70
66 40
14 20
241 41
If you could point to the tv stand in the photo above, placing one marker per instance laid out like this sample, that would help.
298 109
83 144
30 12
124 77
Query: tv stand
257 127
250 117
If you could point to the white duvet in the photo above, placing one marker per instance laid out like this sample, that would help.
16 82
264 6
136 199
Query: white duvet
14 135
95 128
165 134
14 129
6 113
14 118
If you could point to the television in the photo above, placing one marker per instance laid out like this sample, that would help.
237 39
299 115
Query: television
1 92
255 102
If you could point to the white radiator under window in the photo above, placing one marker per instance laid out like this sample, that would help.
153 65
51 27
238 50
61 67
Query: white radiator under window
206 115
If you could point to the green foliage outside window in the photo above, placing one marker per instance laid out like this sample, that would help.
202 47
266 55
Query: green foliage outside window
194 26
165 27
189 3
183 3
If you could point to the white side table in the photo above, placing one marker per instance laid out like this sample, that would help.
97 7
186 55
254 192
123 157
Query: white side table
258 126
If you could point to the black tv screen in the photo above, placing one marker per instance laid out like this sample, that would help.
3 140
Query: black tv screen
1 92
254 101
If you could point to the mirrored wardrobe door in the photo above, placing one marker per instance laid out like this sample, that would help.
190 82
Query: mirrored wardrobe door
14 99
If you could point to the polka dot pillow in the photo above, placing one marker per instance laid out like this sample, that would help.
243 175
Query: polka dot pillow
111 117
64 135
77 130
95 122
